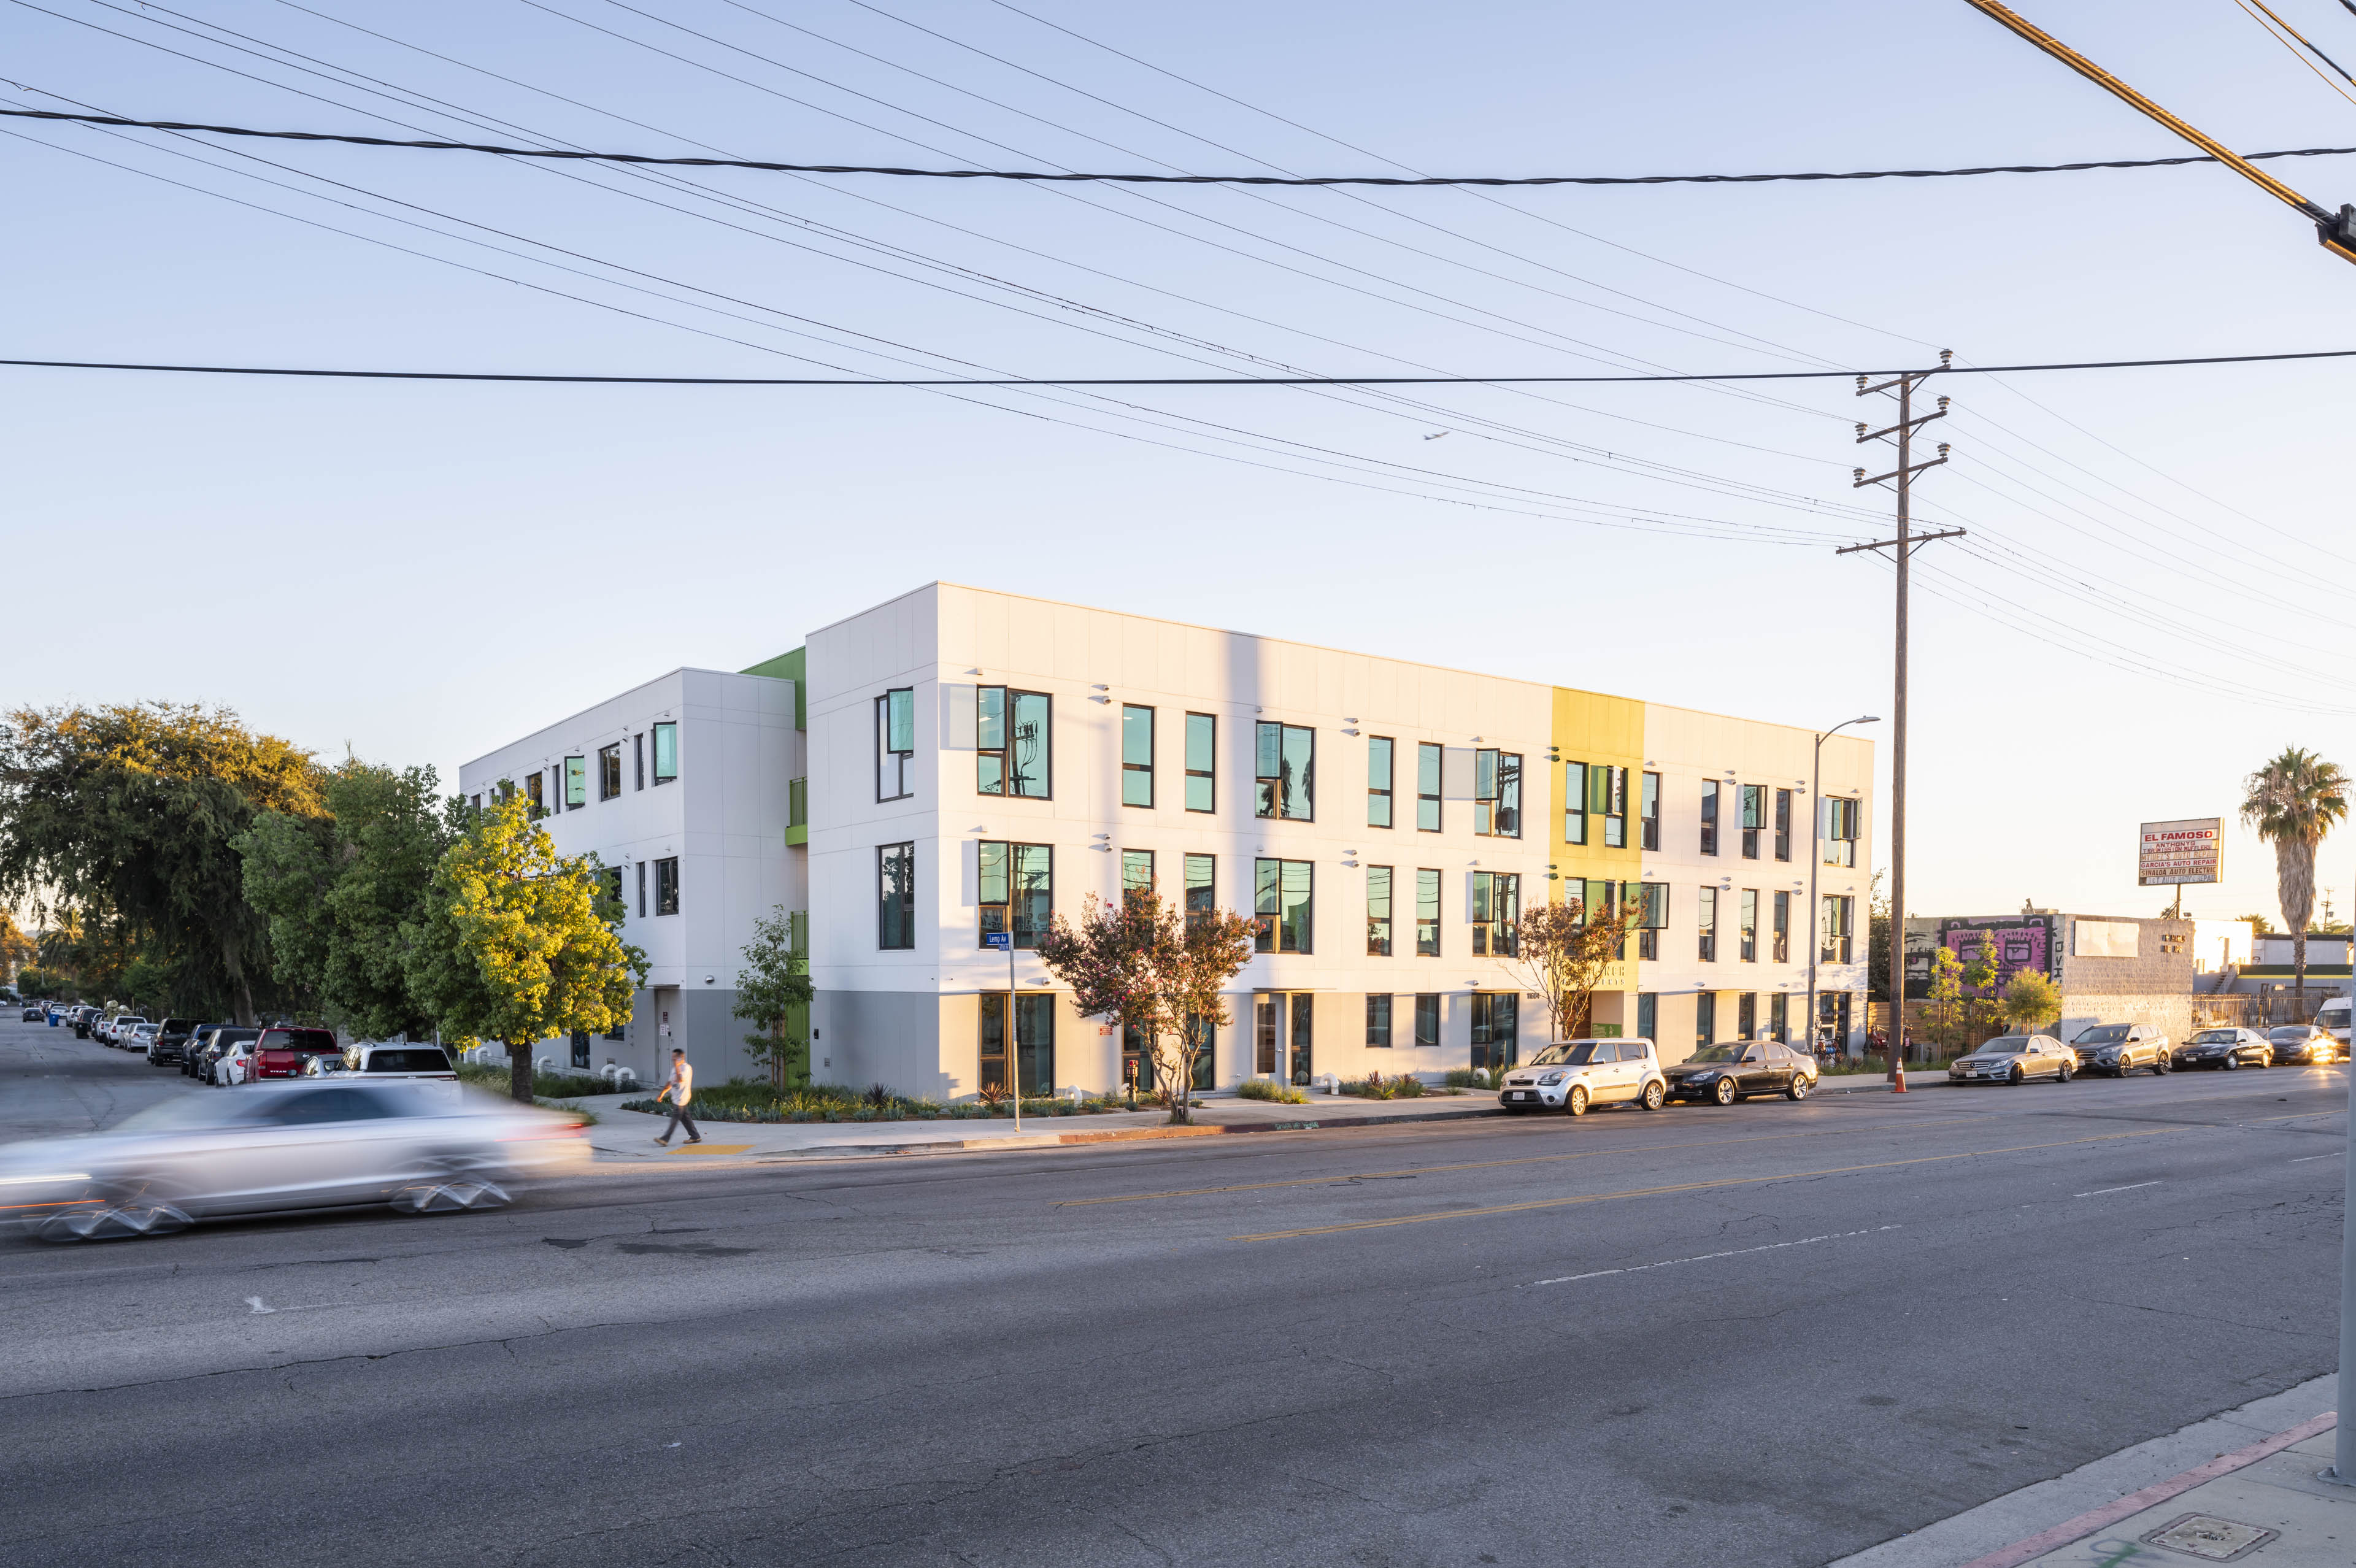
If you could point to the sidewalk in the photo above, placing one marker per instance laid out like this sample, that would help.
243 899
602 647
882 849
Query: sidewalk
2238 1487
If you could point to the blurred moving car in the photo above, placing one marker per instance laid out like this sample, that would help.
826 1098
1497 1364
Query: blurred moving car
2305 1044
1738 1070
2119 1049
1573 1074
2226 1049
2014 1058
421 1147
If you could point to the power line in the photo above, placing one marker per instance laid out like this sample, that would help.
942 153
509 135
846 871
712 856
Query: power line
1050 177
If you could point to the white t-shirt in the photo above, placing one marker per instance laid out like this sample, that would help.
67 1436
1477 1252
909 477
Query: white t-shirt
682 1081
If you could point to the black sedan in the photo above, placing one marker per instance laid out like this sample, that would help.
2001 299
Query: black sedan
1725 1073
2305 1045
2226 1049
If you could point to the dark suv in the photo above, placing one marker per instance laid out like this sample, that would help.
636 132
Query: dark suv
171 1042
285 1052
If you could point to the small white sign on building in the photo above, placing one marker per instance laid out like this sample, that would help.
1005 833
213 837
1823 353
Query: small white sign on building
2172 853
2104 938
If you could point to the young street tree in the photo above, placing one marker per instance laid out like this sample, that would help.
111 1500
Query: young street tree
2030 999
1564 956
1947 1008
518 942
774 994
1142 965
2292 802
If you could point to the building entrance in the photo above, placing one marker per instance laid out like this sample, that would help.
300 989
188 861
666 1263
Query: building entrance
1284 1031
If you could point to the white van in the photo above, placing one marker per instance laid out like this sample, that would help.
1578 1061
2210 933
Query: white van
2332 1019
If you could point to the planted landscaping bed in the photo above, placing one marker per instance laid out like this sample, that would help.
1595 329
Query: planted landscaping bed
739 1100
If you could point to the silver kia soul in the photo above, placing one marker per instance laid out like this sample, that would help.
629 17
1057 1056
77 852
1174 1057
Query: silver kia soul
1573 1074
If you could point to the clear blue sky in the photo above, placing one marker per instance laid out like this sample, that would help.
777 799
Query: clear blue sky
2149 604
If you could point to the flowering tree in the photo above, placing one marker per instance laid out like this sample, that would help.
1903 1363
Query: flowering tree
1563 956
1142 964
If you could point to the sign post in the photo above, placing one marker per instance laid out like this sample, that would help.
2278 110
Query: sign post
2189 850
1005 940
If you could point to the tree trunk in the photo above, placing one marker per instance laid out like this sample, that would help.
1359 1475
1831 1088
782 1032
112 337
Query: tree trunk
518 1072
1182 1094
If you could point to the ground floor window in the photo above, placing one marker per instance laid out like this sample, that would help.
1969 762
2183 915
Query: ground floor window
1270 1017
1706 1018
1497 1029
1833 1018
1378 1022
1779 1017
1648 1015
1746 1013
579 1048
1034 1041
1427 1019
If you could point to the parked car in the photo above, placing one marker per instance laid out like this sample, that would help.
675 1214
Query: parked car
2015 1059
1573 1074
34 1013
2226 1049
419 1147
114 1029
171 1041
2305 1045
284 1050
1740 1069
408 1059
138 1037
235 1064
2119 1049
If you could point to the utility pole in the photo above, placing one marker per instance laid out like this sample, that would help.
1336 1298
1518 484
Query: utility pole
1901 478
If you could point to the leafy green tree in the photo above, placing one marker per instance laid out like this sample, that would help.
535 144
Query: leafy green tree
1565 952
17 949
130 809
518 942
2292 802
774 994
2030 999
1946 1010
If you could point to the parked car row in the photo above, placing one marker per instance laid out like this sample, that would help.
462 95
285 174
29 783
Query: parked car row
2122 1048
1574 1075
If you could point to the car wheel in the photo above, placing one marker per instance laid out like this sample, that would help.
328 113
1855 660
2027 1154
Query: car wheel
2015 1079
2062 1073
118 1212
1654 1096
1575 1102
453 1184
2160 1064
1724 1092
2233 1060
2266 1059
1801 1087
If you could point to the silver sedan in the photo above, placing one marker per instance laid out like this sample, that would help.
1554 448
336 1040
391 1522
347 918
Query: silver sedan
420 1147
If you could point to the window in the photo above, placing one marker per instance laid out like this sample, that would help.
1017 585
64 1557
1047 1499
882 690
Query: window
1497 1029
475 801
1610 797
1708 923
666 752
667 886
1595 804
1136 755
531 795
895 896
895 744
1779 1017
638 761
1427 914
1653 920
1427 1019
1281 891
1378 912
1782 825
1427 788
1034 1040
1378 781
642 890
1202 897
1747 927
1014 735
1779 946
1650 807
1378 1023
1648 1014
576 783
1202 759
1496 914
1840 818
609 772
1497 793
1746 1014
1136 871
1754 817
1709 817
1018 890
610 880
1706 1018
1574 802
1840 909
1287 771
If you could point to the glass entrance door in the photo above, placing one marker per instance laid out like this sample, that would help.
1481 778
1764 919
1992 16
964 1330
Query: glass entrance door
1267 1013
1303 1032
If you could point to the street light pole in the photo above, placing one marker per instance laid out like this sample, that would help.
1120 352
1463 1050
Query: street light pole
1816 858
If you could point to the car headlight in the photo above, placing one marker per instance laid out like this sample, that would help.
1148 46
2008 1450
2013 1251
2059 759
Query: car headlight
1704 1077
1551 1077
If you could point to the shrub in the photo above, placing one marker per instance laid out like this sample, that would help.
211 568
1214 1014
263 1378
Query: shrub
1268 1089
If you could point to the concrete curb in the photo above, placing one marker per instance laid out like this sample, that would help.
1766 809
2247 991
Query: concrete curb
1118 1135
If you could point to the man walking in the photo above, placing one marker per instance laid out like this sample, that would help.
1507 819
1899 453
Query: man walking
678 1089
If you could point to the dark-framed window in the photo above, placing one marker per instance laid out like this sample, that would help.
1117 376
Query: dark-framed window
667 885
1379 749
1779 947
1841 817
1706 926
1034 1040
1753 800
1497 1029
1709 817
1648 1015
1653 920
1427 787
1378 1022
1746 1014
1839 910
642 890
1706 1018
576 783
1017 884
1496 793
1779 1017
1136 755
535 808
1202 885
666 751
611 878
609 772
1574 802
1378 912
1136 871
1746 928
1427 1018
895 744
1782 825
1283 894
1649 812
1285 768
638 760
1496 914
1427 914
1201 761
1610 799
1015 733
895 896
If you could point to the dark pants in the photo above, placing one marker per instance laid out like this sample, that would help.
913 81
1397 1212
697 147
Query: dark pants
678 1115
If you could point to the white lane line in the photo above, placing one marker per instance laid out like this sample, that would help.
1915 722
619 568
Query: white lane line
262 1308
1706 1258
2302 1159
2098 1191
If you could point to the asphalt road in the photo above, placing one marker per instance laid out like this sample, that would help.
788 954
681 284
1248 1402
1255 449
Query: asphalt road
1772 1334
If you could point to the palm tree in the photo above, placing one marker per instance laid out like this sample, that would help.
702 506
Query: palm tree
2292 802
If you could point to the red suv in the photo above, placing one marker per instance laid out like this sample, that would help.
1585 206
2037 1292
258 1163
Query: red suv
286 1052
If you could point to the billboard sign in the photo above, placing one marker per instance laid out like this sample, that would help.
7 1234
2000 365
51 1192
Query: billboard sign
2173 853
